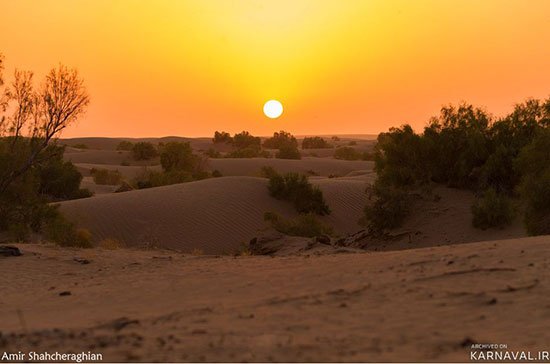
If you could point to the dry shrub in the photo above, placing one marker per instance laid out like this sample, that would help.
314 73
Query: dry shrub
197 251
111 244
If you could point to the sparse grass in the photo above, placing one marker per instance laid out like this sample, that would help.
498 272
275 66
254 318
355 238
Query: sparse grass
296 188
80 146
106 177
197 251
64 233
242 251
306 225
110 244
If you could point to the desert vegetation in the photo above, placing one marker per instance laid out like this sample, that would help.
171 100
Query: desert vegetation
499 159
245 144
144 151
296 188
286 144
315 143
125 145
351 154
179 165
33 173
222 137
280 139
307 225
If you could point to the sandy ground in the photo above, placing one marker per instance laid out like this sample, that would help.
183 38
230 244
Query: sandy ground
319 166
426 304
217 215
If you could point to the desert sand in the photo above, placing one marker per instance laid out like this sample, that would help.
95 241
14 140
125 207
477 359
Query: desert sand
425 304
174 291
219 215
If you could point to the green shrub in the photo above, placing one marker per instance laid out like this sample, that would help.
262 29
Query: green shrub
280 140
222 137
347 153
59 180
125 145
296 188
106 177
494 210
80 146
212 153
534 164
306 225
216 173
288 152
267 171
315 143
144 151
537 213
245 140
388 207
177 156
25 204
64 233
252 151
150 179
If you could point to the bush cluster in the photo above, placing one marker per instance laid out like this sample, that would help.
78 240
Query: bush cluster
222 137
465 147
493 210
63 232
295 187
179 165
144 151
251 151
26 206
280 139
125 145
212 153
315 143
286 144
351 154
288 152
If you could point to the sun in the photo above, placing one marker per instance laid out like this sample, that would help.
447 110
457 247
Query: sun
273 109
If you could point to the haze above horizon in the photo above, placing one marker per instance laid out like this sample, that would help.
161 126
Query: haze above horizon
156 68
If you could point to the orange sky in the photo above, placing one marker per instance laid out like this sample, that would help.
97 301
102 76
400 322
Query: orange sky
157 68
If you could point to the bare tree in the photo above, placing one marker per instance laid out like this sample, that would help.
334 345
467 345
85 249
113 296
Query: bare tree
3 102
23 94
58 103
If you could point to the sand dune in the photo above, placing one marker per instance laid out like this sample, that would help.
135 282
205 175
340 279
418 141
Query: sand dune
321 166
97 156
445 218
88 183
129 172
112 143
420 305
214 215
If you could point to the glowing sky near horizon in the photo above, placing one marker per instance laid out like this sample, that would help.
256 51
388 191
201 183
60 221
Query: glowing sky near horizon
157 68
